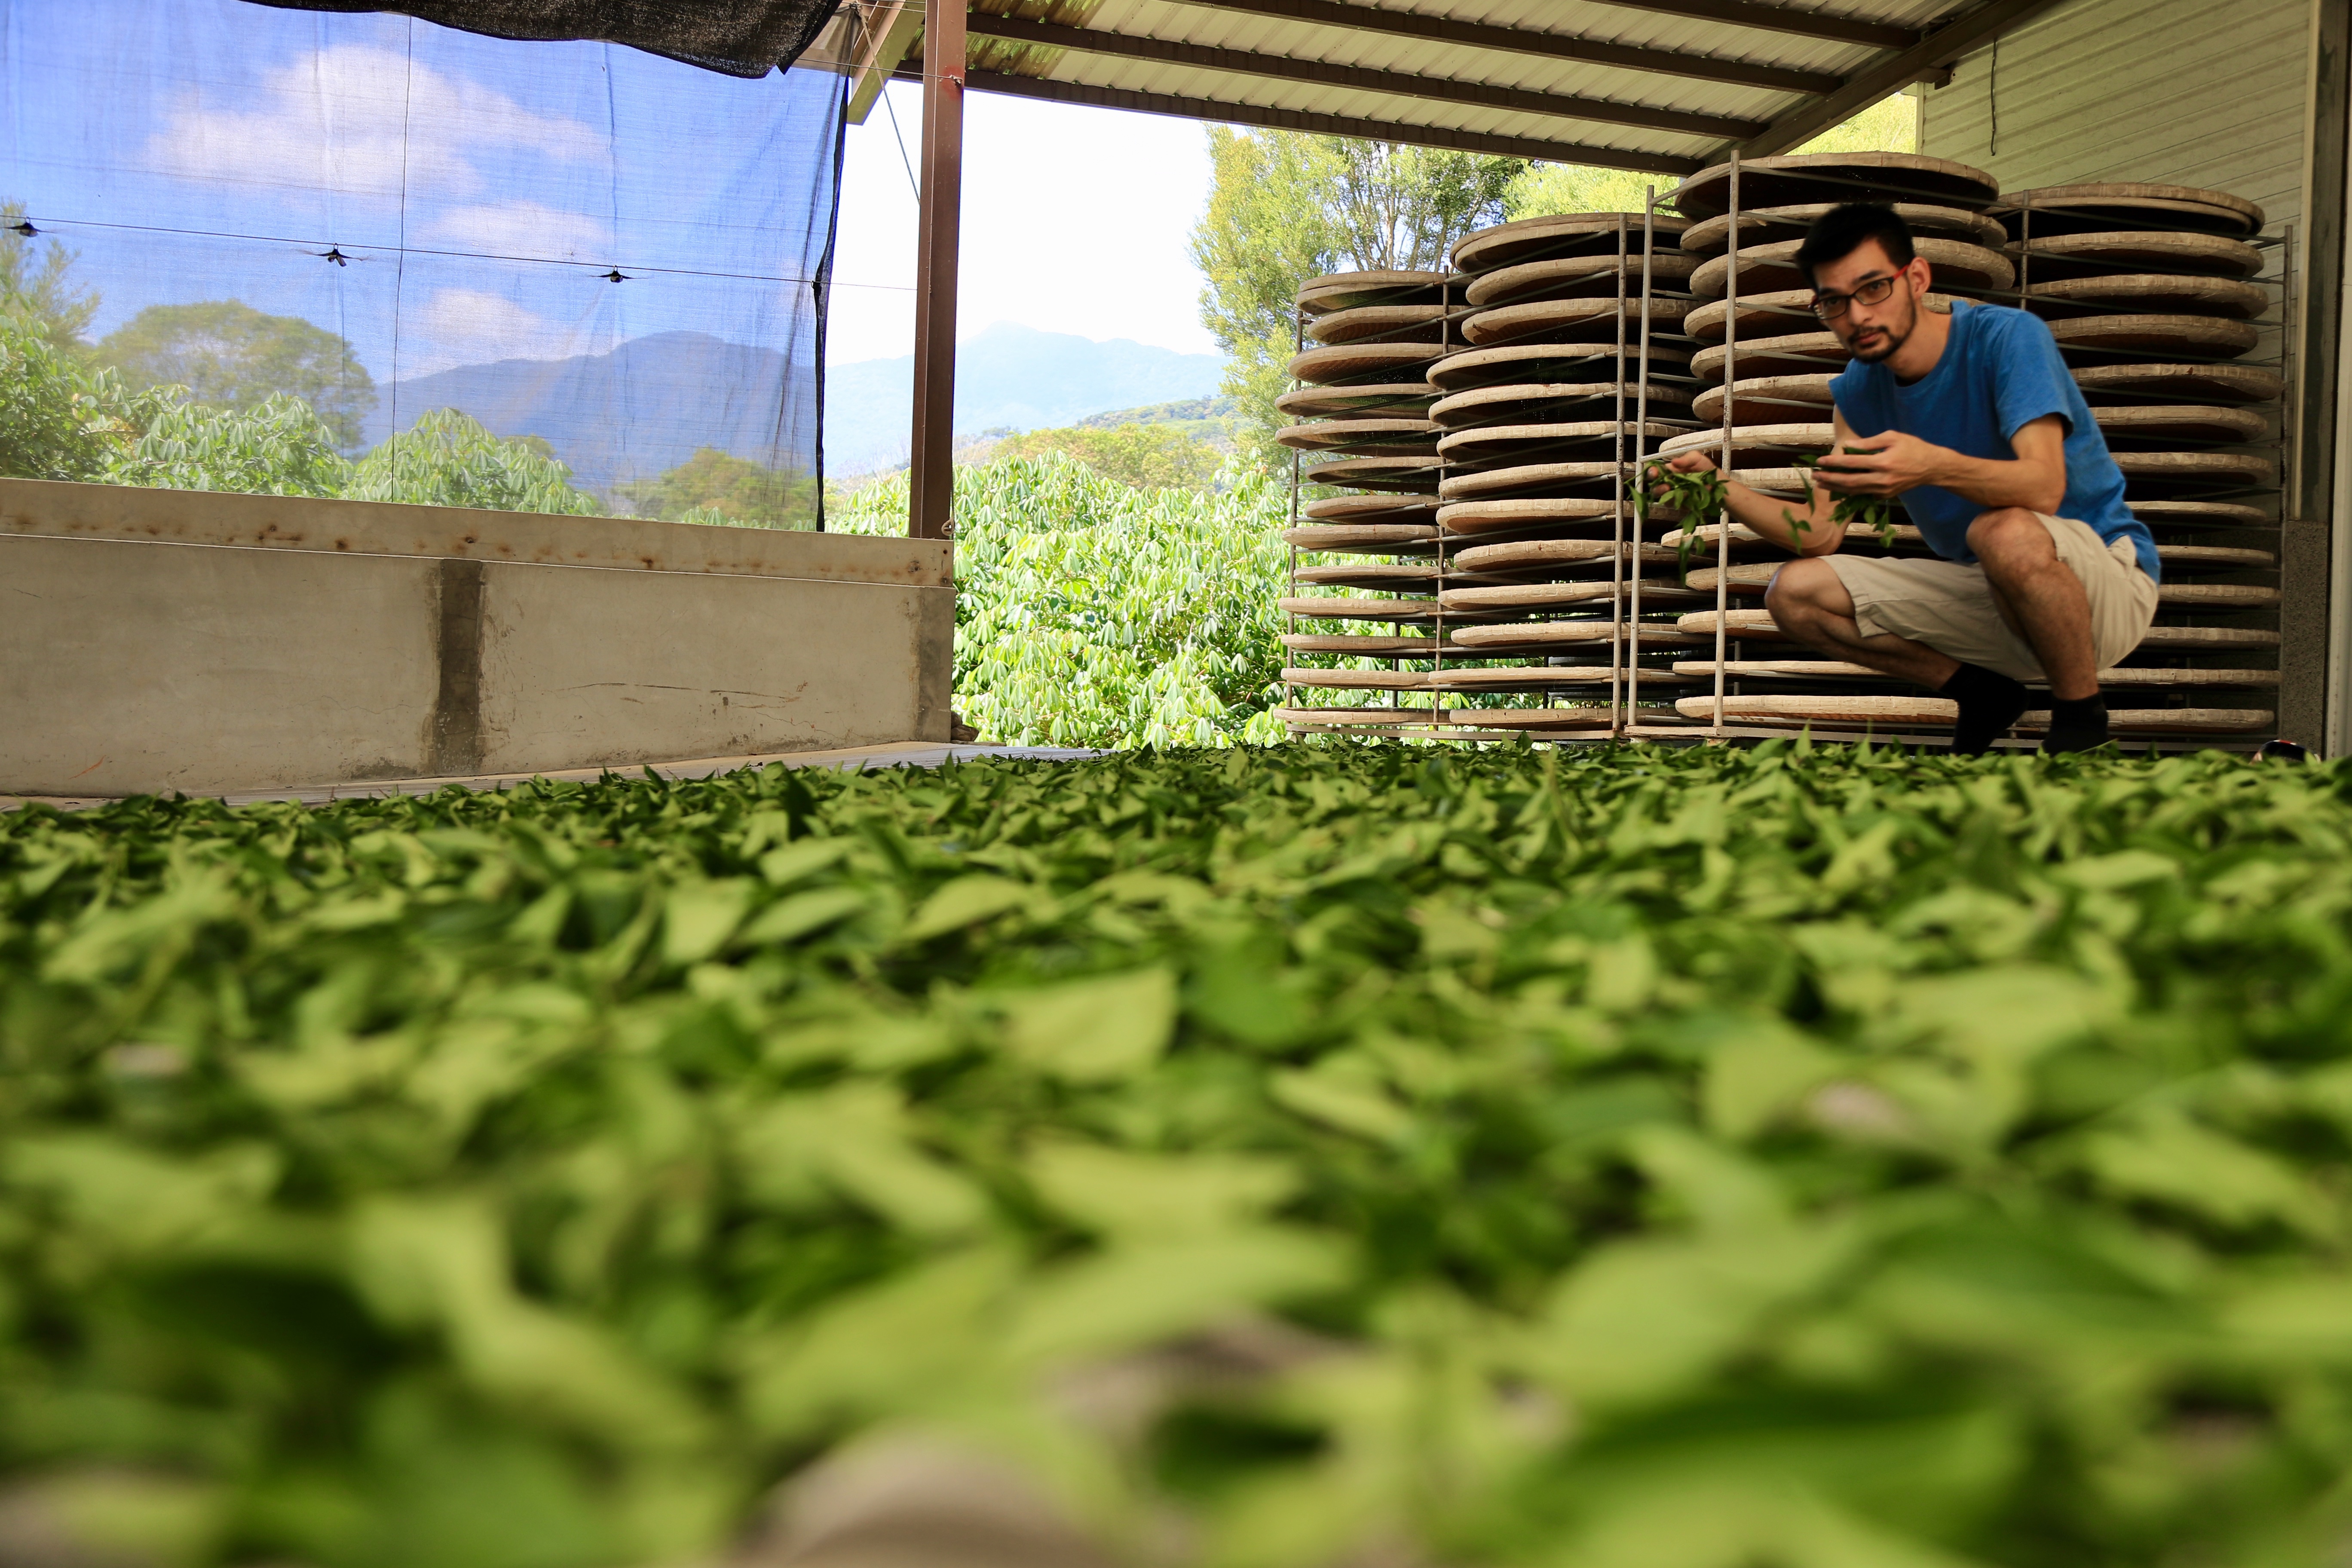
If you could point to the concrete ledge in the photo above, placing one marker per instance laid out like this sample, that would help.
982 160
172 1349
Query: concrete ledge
47 509
142 651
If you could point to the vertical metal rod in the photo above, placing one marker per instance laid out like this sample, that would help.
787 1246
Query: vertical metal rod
1617 496
1290 620
930 472
1444 347
1631 631
1731 378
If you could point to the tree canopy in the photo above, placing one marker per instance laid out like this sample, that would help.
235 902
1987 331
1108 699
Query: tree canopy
230 355
40 289
1148 457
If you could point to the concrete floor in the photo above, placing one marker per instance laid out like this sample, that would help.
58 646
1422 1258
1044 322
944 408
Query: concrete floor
895 754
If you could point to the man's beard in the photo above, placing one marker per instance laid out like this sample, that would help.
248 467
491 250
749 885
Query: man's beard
1890 338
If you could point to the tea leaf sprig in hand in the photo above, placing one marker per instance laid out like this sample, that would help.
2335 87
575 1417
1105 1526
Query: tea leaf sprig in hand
1696 496
1875 512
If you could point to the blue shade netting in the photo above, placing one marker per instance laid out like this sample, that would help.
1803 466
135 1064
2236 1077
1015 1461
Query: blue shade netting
560 276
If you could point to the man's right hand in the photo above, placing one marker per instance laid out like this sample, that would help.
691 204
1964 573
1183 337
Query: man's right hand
1691 463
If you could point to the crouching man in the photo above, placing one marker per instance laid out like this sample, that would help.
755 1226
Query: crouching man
1972 418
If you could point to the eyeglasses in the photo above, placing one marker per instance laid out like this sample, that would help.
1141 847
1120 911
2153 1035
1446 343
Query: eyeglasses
1829 306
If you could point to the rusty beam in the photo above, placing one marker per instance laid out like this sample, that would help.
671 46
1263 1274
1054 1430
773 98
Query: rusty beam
931 445
1401 84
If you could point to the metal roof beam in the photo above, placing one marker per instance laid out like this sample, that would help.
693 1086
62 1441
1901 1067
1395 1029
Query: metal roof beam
1923 60
1319 124
1241 62
1779 19
1522 41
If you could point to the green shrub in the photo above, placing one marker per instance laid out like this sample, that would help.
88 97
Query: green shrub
448 458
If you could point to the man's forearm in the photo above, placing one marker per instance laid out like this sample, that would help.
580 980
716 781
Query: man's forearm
1992 482
1769 516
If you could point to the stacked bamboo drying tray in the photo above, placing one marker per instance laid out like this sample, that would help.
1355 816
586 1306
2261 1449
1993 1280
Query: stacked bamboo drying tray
2150 293
1535 411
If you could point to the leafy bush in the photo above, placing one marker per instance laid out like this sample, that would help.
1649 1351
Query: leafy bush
718 487
1089 612
47 416
1148 457
1633 1160
447 459
278 447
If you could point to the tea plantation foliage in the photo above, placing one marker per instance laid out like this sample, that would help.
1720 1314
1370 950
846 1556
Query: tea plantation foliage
1604 1160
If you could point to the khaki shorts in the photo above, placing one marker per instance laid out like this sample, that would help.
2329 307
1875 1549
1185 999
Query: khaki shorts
1949 607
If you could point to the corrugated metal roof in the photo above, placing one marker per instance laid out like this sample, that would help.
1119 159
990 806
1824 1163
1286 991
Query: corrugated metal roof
1674 84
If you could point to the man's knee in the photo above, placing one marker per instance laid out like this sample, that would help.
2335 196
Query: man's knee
1801 591
2008 533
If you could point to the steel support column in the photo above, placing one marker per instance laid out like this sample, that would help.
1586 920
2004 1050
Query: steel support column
931 448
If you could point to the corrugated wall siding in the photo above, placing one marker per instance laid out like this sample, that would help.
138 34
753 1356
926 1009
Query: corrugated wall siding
2189 92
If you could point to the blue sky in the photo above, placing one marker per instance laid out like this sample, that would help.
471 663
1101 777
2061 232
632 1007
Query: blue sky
208 149
202 149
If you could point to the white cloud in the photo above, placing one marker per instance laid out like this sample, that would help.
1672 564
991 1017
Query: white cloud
467 326
519 229
363 122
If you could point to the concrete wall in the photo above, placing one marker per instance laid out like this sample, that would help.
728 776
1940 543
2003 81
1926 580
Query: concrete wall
160 640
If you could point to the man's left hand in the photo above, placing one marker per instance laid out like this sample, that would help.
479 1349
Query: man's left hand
1884 465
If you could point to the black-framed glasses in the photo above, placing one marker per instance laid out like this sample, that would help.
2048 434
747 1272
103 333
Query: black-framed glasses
1829 306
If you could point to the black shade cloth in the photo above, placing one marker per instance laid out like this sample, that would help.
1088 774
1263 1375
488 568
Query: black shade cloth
741 37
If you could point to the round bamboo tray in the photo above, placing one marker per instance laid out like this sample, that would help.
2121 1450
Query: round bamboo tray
2069 255
1530 516
1834 177
1559 234
2206 639
2198 514
1350 718
1519 444
2161 335
1362 645
2150 677
1518 363
2147 293
1751 580
1530 401
1362 539
1535 719
1535 480
1381 325
1399 578
2171 720
2215 558
2174 422
1352 290
1353 364
1335 607
1542 595
1372 437
1538 633
1788 353
2215 596
1840 712
1765 399
1392 399
1751 438
1578 277
1756 625
1414 474
1569 320
1383 509
1324 680
1760 225
1781 669
2204 383
1521 678
2110 204
2156 475
1552 555
1957 265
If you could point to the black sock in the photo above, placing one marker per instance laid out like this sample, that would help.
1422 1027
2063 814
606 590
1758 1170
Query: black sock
1988 704
2077 725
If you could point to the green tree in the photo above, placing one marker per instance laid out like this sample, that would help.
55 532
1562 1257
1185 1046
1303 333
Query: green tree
38 288
49 423
718 486
1149 457
279 448
1284 207
449 460
230 355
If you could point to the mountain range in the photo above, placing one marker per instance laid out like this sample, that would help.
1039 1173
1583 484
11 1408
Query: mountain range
646 406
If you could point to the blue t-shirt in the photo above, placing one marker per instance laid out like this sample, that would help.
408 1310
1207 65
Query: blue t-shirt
1999 372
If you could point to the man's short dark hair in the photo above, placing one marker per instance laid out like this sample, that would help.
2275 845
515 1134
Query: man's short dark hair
1840 231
